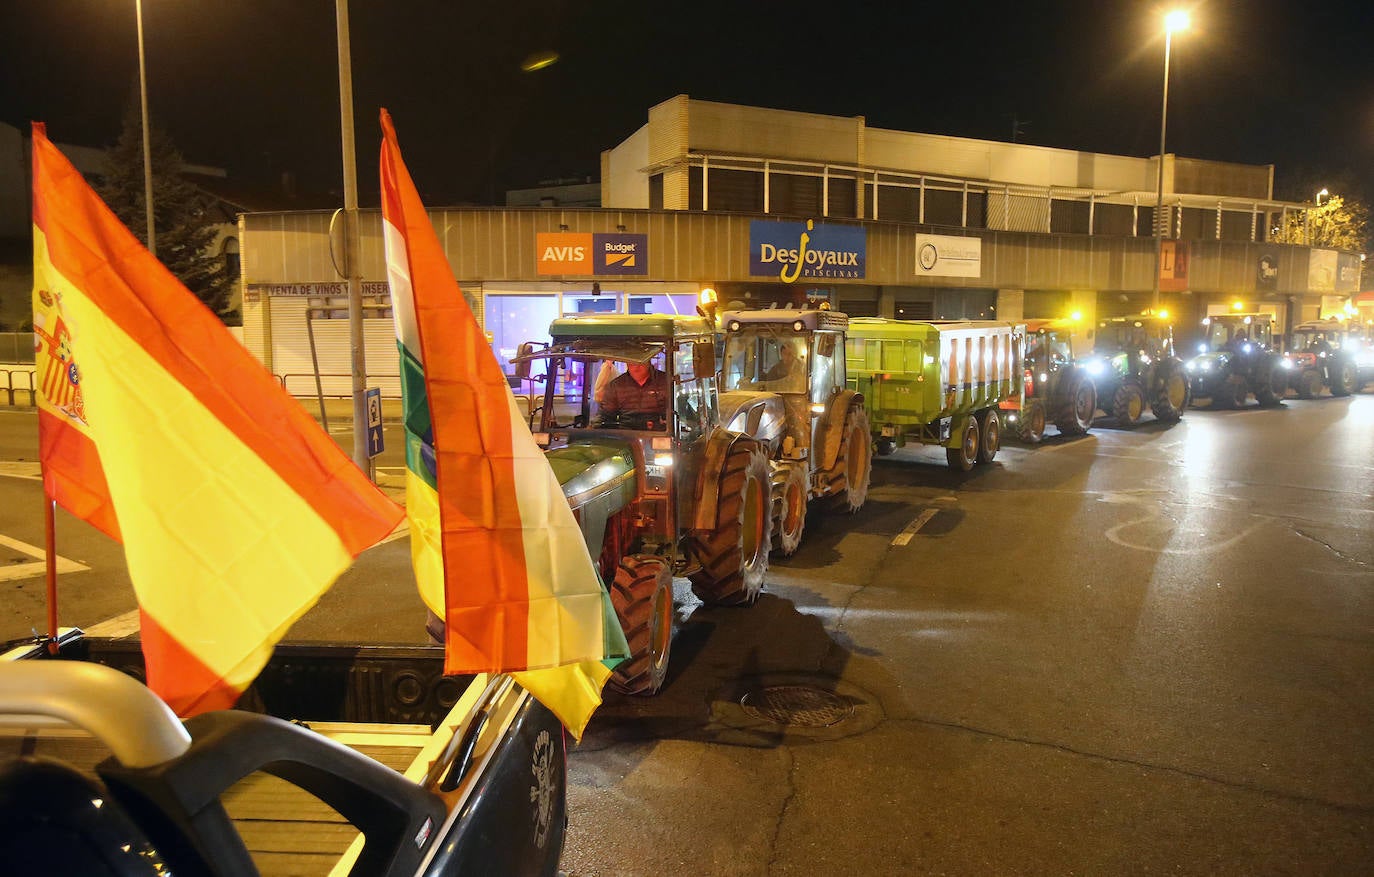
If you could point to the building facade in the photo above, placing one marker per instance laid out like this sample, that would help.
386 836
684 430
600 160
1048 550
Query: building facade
768 206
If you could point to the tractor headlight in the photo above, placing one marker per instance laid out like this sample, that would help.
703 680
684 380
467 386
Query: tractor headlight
1202 348
1095 367
1190 366
1285 363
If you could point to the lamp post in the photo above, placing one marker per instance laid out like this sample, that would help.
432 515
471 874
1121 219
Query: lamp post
1320 195
147 143
1176 20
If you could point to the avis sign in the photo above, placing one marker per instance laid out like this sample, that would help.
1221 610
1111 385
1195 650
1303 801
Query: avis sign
582 253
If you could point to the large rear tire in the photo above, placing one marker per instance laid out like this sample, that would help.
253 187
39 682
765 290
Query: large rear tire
1128 404
642 595
849 477
789 495
1173 396
1272 390
962 458
991 439
1344 378
1075 415
734 558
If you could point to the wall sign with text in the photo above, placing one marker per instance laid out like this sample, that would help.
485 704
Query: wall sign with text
942 255
583 253
793 250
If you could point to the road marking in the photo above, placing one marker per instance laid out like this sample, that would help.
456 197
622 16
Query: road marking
920 521
114 628
36 568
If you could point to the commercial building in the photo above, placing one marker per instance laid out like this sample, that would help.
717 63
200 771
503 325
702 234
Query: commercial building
769 206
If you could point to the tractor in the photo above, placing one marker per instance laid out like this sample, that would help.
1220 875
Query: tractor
1329 354
1056 389
783 376
659 487
1133 367
1236 358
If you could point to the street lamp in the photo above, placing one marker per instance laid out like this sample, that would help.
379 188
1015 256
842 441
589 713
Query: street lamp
147 143
1176 20
1320 195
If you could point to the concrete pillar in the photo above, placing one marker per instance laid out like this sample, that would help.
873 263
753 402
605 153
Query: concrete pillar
1011 304
887 302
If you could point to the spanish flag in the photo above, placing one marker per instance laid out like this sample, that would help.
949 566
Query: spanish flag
496 550
235 509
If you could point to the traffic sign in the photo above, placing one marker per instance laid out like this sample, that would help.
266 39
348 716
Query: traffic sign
374 421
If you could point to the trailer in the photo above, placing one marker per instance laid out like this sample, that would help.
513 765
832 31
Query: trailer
936 382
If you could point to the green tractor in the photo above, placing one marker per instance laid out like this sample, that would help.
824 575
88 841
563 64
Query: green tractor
1056 389
1236 358
1133 367
784 384
629 420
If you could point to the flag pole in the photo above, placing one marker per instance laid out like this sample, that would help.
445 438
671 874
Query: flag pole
50 542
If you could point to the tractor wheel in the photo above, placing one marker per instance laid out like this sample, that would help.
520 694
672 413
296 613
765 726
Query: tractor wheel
1128 404
642 595
1272 391
1075 415
1310 384
789 508
991 439
962 458
1032 424
849 477
1343 379
1172 397
734 558
1234 392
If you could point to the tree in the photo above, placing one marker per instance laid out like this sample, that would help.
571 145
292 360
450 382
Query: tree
182 219
1338 223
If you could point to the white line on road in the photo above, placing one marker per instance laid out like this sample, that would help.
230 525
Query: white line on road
914 527
114 628
36 568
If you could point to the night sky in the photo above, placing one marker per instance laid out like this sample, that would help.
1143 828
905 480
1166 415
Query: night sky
252 85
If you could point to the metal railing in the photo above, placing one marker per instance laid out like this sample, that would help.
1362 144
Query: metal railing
25 384
997 206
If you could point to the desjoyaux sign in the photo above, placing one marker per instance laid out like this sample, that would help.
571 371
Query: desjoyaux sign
791 251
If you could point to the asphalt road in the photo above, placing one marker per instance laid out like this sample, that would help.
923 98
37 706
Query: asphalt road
1135 652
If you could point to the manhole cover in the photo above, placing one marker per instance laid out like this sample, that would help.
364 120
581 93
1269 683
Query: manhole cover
797 705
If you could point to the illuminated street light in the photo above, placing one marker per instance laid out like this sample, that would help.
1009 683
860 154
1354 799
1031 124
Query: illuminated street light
147 143
1176 20
1320 195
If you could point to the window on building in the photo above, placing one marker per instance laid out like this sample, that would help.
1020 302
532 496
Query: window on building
794 195
843 201
229 251
656 191
1068 217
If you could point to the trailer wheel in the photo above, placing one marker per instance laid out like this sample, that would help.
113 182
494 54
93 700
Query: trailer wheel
1128 404
789 497
1343 379
1076 415
849 477
962 458
991 439
734 558
1173 395
1032 428
1310 383
642 595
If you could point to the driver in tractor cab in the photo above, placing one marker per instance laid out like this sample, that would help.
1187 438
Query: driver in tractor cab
643 389
789 373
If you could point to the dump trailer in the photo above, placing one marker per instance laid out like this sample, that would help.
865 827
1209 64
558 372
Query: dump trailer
783 377
659 487
936 382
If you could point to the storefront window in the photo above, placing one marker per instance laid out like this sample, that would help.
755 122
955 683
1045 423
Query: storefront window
682 303
512 319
